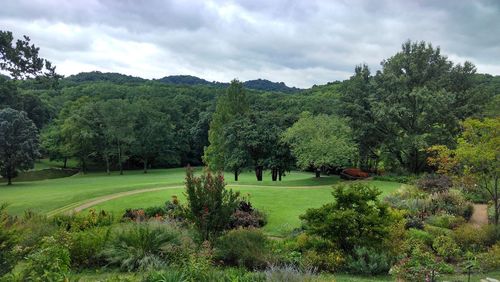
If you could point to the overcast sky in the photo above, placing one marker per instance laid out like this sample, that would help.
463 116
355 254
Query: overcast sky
298 42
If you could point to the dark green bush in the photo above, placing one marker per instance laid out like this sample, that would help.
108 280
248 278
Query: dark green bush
146 245
420 236
475 239
356 217
86 247
243 247
246 216
446 248
445 221
368 261
406 179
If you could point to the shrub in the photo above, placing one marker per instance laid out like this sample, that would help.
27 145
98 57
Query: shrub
331 261
445 221
247 216
355 218
210 205
368 261
490 260
472 238
437 231
434 183
406 179
86 247
421 265
451 202
243 247
79 222
51 262
210 275
420 236
155 211
146 245
446 248
137 215
414 222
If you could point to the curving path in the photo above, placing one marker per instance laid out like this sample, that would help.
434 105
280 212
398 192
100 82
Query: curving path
480 215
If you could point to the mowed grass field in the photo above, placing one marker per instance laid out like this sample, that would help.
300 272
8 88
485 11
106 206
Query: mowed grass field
283 201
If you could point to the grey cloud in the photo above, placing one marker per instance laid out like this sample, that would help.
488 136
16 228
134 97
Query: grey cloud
299 42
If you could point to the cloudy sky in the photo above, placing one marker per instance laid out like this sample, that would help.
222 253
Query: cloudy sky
298 42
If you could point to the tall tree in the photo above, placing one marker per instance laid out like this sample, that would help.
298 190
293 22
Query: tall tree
153 133
231 106
415 101
321 141
18 143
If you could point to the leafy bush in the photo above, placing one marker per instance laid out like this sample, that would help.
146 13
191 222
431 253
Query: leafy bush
355 218
445 221
210 275
414 222
451 202
49 263
78 222
247 216
490 260
146 245
137 215
446 248
368 261
243 247
323 261
420 236
86 246
210 205
472 238
421 265
434 183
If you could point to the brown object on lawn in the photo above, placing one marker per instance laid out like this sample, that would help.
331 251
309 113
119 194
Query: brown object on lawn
353 174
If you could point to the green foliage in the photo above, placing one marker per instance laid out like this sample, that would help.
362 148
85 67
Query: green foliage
434 183
51 262
446 248
490 260
355 218
445 221
144 246
79 222
405 107
243 247
86 247
230 107
321 141
18 143
421 265
331 261
288 273
473 238
420 236
368 261
210 204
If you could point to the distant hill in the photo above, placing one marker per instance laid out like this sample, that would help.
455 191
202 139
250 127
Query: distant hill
104 76
257 84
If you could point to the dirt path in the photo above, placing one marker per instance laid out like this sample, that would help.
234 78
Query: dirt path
480 215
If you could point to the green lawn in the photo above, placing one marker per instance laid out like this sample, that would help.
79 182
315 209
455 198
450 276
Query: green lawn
282 201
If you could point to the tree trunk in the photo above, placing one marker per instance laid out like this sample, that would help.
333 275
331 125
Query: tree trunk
495 200
274 174
258 172
236 175
318 173
9 179
84 166
280 173
107 165
120 159
65 162
145 165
